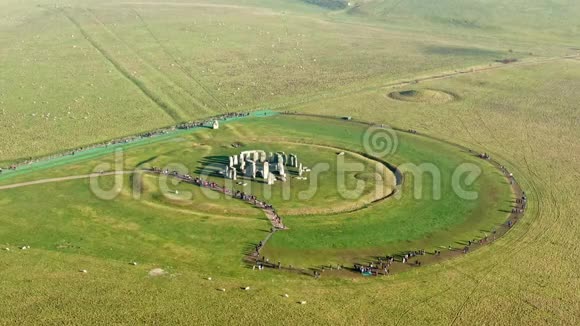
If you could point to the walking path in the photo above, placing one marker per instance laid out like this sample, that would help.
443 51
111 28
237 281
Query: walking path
269 211
61 179
98 150
401 262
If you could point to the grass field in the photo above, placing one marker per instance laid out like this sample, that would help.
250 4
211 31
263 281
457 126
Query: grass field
325 226
122 68
67 67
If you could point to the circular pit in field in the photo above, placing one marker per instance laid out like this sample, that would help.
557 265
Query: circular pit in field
425 96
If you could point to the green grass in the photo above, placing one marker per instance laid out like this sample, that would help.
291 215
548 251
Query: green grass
400 224
525 116
126 230
319 233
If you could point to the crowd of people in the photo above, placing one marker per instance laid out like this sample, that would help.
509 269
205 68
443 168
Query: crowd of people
11 167
374 268
149 134
197 124
380 267
275 219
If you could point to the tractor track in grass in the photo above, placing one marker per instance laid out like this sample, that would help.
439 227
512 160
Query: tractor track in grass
553 201
170 108
179 65
177 108
166 108
425 300
475 288
534 196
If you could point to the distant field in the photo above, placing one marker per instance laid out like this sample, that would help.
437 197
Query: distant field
75 74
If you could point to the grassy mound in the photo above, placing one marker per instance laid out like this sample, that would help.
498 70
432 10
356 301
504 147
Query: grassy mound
427 96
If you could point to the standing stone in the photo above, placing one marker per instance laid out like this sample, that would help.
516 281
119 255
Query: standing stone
215 125
248 170
296 161
265 170
235 158
281 170
281 156
271 178
227 172
251 169
231 162
242 162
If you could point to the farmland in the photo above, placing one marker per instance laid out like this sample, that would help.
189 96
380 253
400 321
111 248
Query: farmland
85 72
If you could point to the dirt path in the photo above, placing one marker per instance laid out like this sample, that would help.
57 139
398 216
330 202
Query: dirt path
397 265
61 179
275 219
